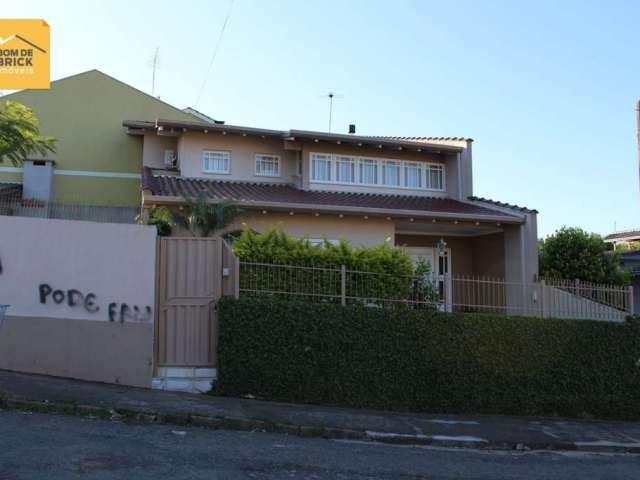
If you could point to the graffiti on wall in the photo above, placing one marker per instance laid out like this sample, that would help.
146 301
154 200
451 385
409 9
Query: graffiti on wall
116 312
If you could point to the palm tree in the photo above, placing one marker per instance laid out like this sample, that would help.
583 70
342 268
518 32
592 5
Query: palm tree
20 134
203 218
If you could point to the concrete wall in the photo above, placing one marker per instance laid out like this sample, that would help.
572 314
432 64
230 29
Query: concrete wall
243 151
480 256
82 299
356 230
153 149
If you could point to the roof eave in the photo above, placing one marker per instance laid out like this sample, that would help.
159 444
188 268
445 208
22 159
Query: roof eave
306 208
374 142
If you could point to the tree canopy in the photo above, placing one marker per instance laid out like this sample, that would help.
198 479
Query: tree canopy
574 254
20 134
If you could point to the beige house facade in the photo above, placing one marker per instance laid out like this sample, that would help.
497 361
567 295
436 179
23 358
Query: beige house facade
412 192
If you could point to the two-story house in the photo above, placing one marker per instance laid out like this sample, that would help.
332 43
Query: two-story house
410 192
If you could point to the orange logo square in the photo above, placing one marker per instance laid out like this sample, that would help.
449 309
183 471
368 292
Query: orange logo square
24 54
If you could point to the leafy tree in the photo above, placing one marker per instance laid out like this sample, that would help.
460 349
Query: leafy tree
161 217
203 218
20 134
571 253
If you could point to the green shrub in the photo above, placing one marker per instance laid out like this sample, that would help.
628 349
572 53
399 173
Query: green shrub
321 275
426 361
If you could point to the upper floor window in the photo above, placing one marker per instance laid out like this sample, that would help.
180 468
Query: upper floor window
368 171
321 167
345 169
267 165
413 175
214 161
435 177
391 173
401 174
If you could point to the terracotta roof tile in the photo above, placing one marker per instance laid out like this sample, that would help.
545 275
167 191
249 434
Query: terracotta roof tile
502 204
260 193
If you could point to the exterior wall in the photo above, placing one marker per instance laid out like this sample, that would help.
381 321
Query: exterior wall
488 255
356 230
461 249
85 113
243 151
153 149
82 299
309 148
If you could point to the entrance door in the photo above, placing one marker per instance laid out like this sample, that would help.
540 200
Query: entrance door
440 268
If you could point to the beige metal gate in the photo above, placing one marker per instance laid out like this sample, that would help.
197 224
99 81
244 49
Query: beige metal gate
192 275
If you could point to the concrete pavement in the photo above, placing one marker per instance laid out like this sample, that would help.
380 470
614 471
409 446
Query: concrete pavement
49 394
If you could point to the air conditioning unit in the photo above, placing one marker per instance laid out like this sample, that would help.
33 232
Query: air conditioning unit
170 159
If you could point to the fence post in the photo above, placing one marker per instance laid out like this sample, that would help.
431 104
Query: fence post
631 305
343 284
542 284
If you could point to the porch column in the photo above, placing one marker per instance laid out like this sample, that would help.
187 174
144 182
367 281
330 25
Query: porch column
521 267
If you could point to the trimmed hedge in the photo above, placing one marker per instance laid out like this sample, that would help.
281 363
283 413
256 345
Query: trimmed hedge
428 361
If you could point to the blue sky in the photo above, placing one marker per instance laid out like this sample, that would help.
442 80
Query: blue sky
547 89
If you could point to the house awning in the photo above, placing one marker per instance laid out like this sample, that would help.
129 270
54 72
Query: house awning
172 189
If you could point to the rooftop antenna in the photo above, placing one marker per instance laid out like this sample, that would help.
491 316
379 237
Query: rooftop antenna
331 96
154 67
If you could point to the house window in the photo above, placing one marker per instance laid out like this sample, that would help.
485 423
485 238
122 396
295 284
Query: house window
321 167
391 173
267 165
435 177
214 161
412 175
345 169
368 171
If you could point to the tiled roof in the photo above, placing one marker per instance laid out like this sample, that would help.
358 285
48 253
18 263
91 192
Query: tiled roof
261 194
426 139
623 234
502 204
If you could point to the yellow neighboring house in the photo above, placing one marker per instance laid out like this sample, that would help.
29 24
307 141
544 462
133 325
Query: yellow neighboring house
96 162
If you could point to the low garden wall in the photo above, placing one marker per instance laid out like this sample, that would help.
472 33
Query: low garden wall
81 298
426 361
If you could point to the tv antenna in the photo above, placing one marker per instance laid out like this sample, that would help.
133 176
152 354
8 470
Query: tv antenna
331 96
154 66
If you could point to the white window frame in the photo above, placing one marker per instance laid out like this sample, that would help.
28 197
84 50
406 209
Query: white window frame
227 153
329 158
421 179
396 164
259 156
338 159
427 176
425 168
368 161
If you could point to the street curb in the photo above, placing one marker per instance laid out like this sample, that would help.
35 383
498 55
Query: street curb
146 416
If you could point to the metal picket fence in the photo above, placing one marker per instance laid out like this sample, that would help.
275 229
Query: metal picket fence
447 293
15 205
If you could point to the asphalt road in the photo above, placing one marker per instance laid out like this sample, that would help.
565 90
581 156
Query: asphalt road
37 446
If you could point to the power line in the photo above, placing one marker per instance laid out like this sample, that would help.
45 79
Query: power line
215 52
154 67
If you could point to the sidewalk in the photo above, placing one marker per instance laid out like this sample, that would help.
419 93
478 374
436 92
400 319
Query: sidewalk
56 395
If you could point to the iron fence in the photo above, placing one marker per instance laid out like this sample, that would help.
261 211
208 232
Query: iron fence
15 205
447 293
